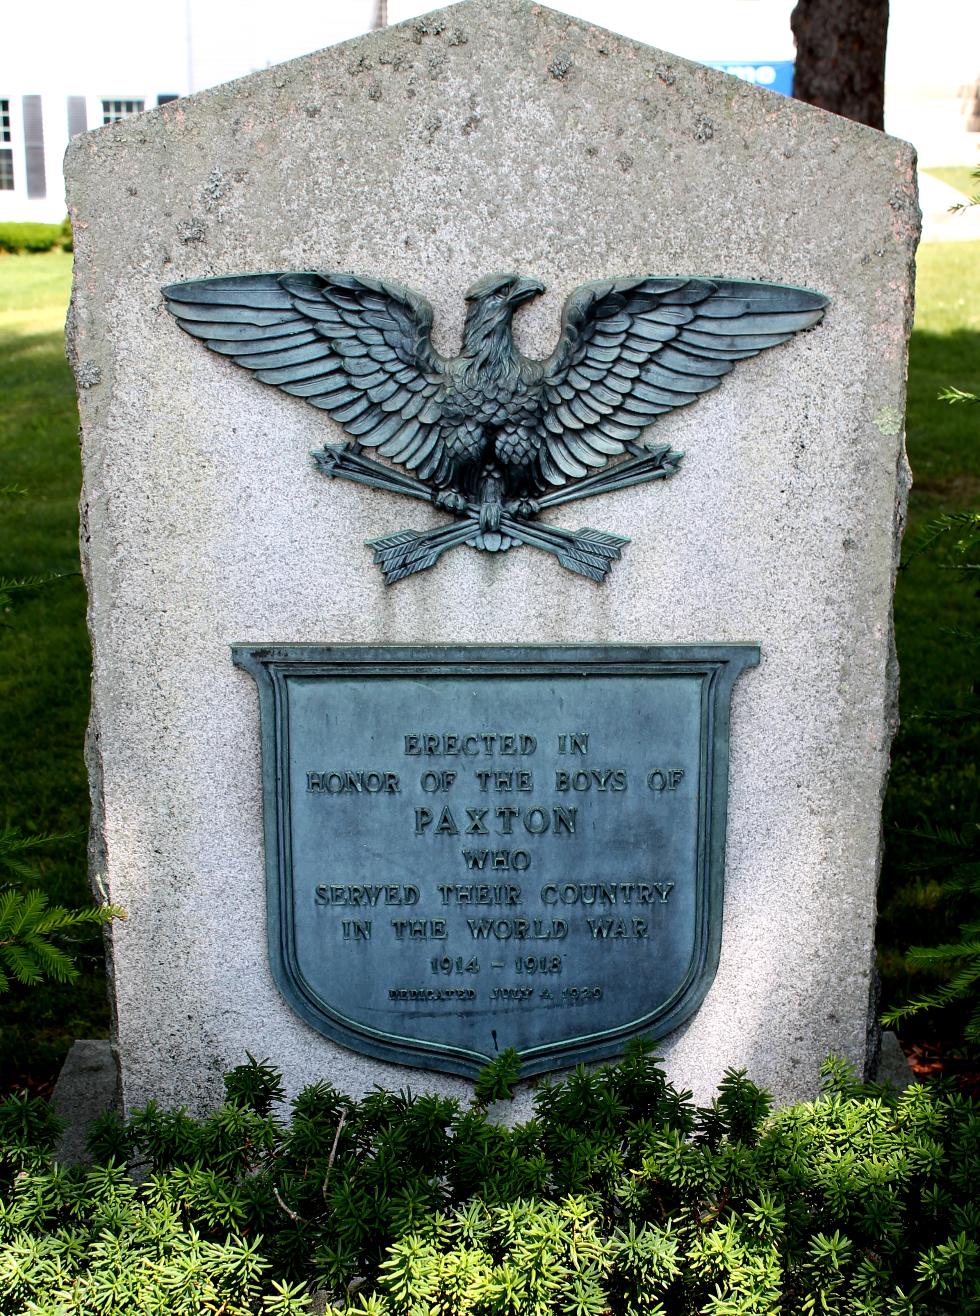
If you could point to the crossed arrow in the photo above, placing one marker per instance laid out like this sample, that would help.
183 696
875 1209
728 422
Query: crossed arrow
588 552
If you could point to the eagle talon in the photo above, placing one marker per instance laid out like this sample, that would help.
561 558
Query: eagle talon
450 501
525 508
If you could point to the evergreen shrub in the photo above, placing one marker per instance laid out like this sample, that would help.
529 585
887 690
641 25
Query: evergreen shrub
16 238
619 1196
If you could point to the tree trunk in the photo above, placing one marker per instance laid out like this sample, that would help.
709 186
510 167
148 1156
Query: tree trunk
840 56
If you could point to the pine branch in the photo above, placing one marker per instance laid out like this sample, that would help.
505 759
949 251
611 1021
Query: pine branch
955 395
937 529
13 844
970 202
956 989
969 639
944 954
945 836
27 923
21 963
9 586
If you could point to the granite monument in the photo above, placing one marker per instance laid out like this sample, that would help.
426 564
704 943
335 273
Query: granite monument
379 824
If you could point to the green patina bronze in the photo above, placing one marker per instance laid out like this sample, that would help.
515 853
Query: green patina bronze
491 436
469 849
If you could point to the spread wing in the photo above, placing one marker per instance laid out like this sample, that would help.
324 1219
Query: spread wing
358 348
632 349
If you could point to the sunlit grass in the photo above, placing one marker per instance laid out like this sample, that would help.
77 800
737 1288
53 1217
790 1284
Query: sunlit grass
962 177
935 780
44 656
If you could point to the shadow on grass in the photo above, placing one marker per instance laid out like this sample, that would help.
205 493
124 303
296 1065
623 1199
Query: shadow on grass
934 785
44 691
943 441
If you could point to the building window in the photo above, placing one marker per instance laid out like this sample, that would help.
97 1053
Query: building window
77 115
113 111
6 154
34 163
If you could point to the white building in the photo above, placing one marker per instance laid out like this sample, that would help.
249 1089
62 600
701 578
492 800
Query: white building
79 66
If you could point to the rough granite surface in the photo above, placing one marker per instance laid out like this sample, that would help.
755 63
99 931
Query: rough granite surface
86 1088
496 134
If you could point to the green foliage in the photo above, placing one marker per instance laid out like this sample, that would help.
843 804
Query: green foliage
16 238
44 653
965 525
254 1086
30 928
29 1130
13 849
956 395
29 951
960 962
619 1198
496 1080
963 177
10 586
39 937
950 855
32 931
956 963
932 808
972 191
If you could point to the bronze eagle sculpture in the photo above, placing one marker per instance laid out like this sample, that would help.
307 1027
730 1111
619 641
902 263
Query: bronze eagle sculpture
491 436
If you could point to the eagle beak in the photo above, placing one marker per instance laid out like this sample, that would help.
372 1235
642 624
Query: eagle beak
523 290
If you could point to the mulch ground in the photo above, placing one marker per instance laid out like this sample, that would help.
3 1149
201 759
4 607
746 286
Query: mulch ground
930 1060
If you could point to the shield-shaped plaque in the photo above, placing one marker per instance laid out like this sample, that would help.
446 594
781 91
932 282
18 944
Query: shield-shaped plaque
470 849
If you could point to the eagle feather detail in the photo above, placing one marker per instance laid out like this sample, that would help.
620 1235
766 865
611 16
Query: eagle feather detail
360 349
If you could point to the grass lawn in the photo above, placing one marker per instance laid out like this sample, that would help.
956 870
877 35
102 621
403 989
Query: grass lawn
944 452
935 780
43 645
962 177
44 651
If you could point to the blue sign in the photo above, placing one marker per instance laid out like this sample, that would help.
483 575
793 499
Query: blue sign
773 75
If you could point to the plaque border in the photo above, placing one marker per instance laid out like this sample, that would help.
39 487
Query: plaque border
719 664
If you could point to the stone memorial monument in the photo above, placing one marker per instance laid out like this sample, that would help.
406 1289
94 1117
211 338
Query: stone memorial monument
399 759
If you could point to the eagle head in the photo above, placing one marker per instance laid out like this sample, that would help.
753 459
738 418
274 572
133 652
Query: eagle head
509 290
490 305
